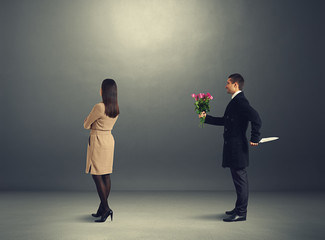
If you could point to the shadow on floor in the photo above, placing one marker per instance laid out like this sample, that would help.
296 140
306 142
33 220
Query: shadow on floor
211 217
86 218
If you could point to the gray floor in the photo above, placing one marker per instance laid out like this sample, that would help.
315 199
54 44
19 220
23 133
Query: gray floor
161 215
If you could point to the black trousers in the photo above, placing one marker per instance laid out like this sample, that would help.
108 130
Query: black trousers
239 176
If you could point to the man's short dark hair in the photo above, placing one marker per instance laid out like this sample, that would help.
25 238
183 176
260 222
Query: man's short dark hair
236 77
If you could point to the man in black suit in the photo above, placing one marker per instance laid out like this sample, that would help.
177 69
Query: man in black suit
235 149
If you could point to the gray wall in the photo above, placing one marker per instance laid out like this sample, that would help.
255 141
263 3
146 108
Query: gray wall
56 53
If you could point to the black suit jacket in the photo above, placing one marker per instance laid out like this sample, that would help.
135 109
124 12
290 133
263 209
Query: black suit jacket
235 121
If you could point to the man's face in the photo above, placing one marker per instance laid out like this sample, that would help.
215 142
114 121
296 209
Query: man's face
231 87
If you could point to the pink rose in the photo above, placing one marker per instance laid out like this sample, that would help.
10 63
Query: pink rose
201 95
193 95
209 96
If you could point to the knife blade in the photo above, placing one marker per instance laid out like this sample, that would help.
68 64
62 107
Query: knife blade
268 139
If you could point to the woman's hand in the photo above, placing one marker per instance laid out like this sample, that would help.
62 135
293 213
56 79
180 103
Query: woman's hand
253 144
202 114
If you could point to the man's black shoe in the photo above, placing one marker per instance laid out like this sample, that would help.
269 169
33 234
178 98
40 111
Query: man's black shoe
234 218
231 212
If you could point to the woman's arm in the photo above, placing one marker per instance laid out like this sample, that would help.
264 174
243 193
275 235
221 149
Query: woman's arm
249 113
219 121
92 117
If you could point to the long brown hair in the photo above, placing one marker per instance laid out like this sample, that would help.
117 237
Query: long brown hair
109 96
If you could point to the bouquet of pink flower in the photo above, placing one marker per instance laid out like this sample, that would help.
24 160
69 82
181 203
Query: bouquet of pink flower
202 104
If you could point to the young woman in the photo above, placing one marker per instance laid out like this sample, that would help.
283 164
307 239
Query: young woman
100 152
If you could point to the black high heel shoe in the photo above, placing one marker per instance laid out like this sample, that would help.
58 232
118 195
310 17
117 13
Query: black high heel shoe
105 216
99 211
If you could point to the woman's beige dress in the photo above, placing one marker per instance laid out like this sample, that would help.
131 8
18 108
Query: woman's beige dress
100 151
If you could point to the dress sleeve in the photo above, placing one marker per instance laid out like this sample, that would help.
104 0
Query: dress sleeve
92 117
219 121
251 115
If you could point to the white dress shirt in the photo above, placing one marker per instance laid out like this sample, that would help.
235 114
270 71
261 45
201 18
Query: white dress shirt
235 94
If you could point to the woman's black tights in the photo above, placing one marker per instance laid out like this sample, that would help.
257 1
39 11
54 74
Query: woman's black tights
103 185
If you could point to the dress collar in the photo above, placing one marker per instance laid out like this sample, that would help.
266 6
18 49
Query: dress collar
235 94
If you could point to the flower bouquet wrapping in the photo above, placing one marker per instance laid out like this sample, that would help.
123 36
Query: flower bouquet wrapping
202 104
